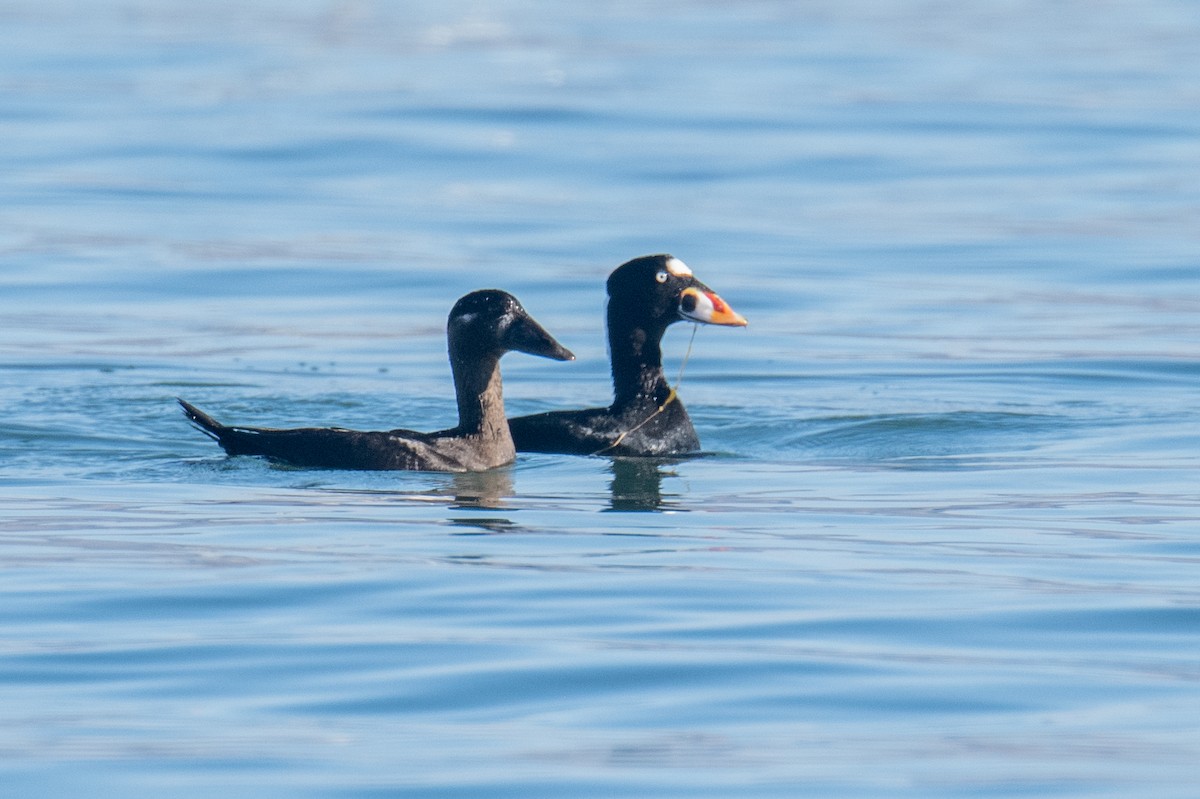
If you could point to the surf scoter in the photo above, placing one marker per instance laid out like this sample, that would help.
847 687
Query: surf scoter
645 296
482 326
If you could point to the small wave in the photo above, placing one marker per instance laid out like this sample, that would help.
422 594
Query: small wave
955 438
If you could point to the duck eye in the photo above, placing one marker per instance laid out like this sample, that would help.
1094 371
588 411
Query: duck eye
661 277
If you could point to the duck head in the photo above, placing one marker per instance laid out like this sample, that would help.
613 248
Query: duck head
658 290
491 321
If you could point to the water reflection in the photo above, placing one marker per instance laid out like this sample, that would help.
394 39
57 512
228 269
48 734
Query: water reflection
637 484
484 525
481 489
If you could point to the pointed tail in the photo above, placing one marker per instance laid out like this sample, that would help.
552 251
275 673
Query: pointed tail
203 422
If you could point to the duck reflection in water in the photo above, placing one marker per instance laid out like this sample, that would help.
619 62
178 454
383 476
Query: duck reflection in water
637 484
480 489
475 491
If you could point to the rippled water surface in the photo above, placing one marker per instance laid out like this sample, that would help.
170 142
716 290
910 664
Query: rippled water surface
947 537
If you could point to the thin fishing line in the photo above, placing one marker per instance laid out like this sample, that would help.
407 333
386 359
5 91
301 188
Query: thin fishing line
687 355
671 397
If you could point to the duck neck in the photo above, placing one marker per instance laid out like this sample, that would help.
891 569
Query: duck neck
636 363
480 396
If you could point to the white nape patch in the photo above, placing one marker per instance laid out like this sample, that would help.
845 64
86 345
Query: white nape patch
465 318
678 268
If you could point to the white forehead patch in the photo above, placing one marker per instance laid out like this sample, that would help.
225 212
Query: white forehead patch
678 268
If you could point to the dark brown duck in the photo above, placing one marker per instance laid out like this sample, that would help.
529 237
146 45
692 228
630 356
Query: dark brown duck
482 326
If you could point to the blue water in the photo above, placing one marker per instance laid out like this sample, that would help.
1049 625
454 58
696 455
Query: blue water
946 543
